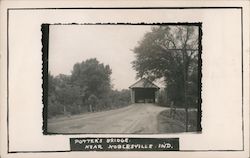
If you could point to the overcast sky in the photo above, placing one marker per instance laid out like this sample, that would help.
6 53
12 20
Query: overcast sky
110 44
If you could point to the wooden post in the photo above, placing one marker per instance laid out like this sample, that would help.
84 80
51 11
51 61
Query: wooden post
64 110
90 107
79 108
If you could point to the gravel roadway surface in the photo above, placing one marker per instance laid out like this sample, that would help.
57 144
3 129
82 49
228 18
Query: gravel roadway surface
135 118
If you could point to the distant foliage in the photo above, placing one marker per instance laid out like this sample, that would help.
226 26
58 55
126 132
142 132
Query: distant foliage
87 89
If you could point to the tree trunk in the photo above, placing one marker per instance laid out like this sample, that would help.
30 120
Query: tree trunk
185 73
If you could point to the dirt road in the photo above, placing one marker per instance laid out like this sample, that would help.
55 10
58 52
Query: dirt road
136 118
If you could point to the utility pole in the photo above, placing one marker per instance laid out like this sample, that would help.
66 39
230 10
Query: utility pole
184 88
185 78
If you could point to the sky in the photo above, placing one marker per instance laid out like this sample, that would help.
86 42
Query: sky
110 44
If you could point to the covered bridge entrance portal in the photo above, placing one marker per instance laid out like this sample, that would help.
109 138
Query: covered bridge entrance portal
143 91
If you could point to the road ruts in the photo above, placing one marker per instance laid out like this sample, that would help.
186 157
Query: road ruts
136 118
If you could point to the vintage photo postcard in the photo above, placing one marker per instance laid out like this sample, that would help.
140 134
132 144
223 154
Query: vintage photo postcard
100 78
120 79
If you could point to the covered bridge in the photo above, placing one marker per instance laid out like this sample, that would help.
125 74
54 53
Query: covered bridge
143 91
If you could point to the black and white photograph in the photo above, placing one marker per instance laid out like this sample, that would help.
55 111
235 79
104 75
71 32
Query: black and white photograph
123 78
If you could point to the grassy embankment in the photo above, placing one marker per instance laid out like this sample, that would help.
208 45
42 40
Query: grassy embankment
168 123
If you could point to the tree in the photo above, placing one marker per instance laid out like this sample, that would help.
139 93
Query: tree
170 52
55 107
167 52
92 101
92 77
88 88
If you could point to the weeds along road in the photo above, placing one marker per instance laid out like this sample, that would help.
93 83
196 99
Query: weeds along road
136 118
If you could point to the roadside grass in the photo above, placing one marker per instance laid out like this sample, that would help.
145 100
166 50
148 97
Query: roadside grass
176 122
68 116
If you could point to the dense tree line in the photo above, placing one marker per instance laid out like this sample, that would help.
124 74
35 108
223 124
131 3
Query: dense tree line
87 89
170 53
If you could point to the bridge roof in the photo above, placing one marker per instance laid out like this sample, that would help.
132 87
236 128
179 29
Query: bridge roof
144 83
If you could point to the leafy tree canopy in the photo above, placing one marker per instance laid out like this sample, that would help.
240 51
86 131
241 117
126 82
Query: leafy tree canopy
169 53
93 77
